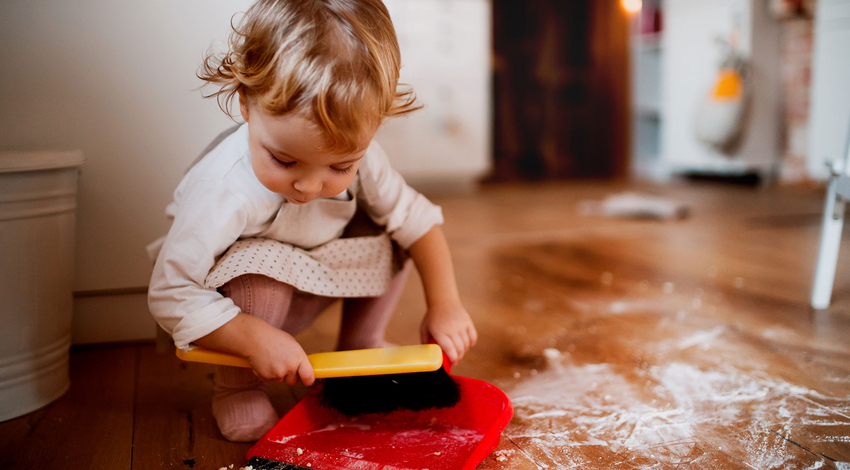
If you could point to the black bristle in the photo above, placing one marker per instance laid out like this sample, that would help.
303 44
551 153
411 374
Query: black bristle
415 391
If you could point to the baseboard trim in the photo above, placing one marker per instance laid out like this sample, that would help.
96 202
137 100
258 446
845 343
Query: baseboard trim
112 317
112 344
104 292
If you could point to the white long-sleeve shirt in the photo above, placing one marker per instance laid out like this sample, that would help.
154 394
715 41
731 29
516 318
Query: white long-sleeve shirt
220 201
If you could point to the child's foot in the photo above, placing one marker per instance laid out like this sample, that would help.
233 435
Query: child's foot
240 405
243 415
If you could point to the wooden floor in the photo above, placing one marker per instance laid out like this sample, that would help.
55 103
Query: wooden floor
622 344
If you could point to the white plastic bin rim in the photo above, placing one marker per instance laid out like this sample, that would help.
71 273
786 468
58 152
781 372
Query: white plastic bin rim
33 161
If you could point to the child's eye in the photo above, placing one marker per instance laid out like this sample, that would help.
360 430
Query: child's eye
343 170
281 162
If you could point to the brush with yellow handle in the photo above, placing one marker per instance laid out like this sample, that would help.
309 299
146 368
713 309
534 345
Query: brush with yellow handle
369 380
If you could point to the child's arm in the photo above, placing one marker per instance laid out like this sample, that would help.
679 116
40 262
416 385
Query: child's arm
194 314
274 354
446 320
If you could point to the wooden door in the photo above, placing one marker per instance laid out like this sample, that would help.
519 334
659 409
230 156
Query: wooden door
561 89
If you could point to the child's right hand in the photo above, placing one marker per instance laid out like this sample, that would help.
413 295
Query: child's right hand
274 355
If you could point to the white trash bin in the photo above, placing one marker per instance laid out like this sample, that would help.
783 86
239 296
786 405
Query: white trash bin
38 192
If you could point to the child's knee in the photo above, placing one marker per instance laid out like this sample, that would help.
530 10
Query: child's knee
304 310
260 296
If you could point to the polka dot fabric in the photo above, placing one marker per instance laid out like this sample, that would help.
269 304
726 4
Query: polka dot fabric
345 267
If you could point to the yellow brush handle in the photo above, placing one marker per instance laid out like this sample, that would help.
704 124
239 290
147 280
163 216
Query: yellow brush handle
380 361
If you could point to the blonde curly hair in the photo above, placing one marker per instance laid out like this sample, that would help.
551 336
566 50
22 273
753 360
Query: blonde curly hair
334 62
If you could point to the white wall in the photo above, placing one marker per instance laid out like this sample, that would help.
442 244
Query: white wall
117 80
829 124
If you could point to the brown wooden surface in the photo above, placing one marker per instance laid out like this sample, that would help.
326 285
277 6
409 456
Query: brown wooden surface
91 427
561 89
684 344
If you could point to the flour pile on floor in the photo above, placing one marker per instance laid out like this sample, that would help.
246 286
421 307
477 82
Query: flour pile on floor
681 415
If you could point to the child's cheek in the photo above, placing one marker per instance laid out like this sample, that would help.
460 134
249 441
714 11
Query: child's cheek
343 181
270 177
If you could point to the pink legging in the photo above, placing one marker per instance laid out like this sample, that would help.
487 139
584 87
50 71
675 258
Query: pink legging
364 319
239 403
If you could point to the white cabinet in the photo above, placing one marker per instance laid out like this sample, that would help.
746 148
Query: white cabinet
647 53
690 61
829 122
445 53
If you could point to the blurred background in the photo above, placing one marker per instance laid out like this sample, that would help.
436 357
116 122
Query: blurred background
515 92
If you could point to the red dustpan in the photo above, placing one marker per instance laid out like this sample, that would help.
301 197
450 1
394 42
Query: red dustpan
457 438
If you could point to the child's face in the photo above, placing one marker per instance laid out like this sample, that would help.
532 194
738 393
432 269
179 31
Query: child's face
287 158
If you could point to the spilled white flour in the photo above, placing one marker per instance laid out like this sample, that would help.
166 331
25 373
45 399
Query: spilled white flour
560 412
722 395
702 339
330 427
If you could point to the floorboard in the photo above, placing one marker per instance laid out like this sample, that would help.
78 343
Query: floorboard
174 426
90 427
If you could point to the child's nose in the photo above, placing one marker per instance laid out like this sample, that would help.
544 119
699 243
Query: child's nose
308 184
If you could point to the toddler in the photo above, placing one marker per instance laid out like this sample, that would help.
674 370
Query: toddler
257 247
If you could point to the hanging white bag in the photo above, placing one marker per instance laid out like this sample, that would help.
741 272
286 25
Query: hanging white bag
720 120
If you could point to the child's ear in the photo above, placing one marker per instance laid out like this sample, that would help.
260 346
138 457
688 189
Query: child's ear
243 104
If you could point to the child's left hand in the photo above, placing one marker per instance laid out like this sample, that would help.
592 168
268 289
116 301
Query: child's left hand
446 321
451 327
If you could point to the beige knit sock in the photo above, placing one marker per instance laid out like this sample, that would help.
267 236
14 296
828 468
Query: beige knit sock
240 405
